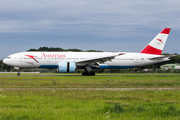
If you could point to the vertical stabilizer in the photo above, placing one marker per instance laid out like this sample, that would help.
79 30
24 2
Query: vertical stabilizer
157 44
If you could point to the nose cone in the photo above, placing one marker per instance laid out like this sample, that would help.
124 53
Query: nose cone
6 61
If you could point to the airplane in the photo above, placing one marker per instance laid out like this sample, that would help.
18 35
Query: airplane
68 62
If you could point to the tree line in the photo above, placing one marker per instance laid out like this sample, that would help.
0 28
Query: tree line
61 49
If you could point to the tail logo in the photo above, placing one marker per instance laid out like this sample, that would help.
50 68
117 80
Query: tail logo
160 41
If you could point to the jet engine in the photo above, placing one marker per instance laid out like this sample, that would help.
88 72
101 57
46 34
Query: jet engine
66 67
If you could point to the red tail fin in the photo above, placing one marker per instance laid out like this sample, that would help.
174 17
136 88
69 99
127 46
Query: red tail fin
157 44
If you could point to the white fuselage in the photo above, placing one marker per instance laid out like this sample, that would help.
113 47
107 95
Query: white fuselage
52 59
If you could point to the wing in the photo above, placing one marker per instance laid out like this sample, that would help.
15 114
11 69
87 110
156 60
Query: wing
94 62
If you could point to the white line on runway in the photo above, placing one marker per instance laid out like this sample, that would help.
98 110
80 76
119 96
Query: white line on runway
90 89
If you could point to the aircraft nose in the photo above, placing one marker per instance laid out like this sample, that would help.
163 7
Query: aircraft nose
7 62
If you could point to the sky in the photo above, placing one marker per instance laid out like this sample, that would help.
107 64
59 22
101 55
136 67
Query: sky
107 25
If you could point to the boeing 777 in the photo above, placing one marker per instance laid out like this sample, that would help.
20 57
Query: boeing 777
68 62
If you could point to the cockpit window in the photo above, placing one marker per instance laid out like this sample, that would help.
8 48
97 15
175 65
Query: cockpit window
8 57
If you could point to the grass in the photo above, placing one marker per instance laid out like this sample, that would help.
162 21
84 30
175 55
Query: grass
99 81
45 104
89 104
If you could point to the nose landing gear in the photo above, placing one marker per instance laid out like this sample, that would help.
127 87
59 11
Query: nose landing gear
17 68
18 74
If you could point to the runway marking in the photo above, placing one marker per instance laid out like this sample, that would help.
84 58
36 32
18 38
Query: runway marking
112 89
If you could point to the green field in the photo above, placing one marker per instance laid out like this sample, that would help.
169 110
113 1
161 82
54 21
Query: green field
98 81
67 104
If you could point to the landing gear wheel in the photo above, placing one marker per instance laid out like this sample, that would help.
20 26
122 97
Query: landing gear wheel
88 73
18 74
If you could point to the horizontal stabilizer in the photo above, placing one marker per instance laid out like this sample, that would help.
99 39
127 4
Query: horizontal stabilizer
162 57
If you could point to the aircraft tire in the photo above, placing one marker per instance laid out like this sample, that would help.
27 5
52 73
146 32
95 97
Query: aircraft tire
92 73
18 74
88 73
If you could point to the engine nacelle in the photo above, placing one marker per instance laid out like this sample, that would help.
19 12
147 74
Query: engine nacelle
66 67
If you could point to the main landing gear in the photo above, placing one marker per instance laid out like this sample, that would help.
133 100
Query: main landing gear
88 71
85 73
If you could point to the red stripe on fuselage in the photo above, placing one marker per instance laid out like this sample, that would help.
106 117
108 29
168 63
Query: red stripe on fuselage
151 50
31 56
166 30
